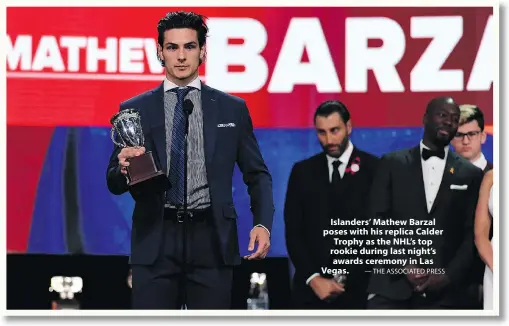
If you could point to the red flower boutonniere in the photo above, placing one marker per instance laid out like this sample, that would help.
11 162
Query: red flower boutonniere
354 167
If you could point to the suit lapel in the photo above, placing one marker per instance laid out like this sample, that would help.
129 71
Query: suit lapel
344 193
323 179
451 167
157 123
346 180
347 175
322 169
210 112
414 158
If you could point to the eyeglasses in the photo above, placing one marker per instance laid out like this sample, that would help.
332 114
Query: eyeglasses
470 134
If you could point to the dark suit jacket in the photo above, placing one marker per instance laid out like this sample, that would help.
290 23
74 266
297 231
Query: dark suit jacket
309 207
398 193
488 167
223 148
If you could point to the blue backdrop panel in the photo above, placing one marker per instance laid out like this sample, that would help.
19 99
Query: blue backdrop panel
105 219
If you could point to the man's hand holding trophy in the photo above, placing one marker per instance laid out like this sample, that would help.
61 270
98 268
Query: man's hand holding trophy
127 153
135 163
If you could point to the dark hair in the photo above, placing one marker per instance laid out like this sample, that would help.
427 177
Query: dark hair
328 107
182 19
469 112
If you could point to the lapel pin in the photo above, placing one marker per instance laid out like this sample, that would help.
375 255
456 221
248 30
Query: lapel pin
451 170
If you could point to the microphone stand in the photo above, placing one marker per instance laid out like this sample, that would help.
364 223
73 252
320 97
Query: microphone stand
188 109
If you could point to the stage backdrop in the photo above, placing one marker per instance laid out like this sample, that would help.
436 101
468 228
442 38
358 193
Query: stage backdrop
69 68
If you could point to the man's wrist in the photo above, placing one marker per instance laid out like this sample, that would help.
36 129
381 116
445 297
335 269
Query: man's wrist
259 225
308 281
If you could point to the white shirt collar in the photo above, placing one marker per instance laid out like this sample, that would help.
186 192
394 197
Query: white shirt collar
446 149
196 83
481 162
345 157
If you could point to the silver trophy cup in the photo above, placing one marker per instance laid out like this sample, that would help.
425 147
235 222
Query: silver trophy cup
127 132
340 278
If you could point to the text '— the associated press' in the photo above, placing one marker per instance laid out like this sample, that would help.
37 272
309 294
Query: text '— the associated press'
382 242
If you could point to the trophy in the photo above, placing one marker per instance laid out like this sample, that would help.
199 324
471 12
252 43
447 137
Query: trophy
127 132
340 278
67 287
258 297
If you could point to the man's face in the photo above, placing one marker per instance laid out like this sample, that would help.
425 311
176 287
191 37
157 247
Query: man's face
181 54
468 140
441 123
333 133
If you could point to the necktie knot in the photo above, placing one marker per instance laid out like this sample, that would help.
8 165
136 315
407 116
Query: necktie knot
181 92
336 164
427 153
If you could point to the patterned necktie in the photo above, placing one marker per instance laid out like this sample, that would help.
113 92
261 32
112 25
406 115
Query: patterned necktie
178 138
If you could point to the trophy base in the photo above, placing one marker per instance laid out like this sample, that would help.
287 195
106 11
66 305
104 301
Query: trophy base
143 170
65 305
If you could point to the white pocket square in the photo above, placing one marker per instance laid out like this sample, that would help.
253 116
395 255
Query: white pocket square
226 125
459 187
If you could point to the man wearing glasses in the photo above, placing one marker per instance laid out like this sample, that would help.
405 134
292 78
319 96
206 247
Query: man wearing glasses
467 143
471 136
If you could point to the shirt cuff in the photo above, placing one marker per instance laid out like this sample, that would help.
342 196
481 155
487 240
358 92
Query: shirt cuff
312 277
125 175
262 227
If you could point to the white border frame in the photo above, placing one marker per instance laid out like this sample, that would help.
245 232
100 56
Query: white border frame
253 3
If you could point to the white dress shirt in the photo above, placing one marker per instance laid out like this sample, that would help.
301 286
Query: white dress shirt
344 158
432 172
481 162
167 84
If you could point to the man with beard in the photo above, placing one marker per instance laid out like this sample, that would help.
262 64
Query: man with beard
427 183
329 187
